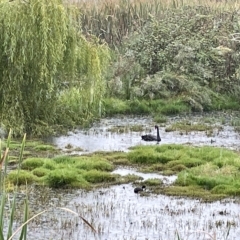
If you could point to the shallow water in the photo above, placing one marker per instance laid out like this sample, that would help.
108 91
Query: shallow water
117 212
99 138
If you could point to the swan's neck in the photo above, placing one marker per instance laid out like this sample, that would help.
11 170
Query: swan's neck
158 135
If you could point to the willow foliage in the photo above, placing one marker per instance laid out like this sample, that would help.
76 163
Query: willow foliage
41 47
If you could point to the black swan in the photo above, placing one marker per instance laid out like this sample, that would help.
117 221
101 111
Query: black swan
150 137
139 189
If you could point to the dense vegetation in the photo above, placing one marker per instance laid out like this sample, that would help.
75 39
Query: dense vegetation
183 55
49 73
205 172
166 57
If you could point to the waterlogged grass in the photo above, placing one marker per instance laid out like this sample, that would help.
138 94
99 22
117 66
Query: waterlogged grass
204 172
64 171
188 126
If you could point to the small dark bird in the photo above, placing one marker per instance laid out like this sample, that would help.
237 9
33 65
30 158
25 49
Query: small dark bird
139 189
150 137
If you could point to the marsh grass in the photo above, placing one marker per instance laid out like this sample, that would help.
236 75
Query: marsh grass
20 177
204 172
163 108
115 20
187 126
64 171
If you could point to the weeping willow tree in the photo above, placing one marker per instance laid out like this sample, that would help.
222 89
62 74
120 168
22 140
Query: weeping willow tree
41 48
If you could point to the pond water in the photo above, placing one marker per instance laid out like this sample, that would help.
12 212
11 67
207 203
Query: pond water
116 212
100 138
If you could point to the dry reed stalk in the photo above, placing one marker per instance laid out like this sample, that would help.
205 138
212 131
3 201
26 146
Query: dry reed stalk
4 157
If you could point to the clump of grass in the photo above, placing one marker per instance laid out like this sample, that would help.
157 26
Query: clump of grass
236 124
130 178
95 176
61 177
192 192
148 155
64 159
45 147
87 163
49 164
21 177
40 171
117 158
31 163
153 182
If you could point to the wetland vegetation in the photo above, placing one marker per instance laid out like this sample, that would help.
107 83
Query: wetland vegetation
208 173
155 58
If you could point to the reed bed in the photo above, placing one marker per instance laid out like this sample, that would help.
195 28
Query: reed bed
115 20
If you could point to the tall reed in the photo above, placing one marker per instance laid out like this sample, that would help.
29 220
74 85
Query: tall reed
114 20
